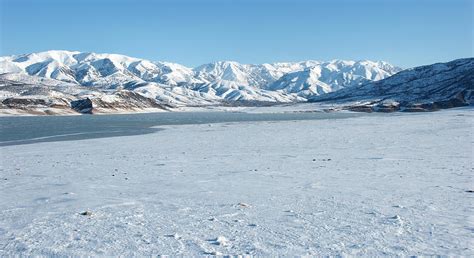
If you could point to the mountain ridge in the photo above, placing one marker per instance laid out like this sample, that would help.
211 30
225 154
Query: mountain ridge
112 80
90 69
422 88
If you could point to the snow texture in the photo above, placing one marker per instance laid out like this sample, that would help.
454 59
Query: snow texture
387 184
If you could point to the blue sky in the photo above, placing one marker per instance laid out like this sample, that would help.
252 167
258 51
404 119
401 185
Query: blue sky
404 32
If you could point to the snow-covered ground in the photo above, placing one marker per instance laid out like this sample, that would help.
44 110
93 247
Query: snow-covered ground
398 184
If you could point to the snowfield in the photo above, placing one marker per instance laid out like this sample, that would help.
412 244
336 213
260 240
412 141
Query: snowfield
390 184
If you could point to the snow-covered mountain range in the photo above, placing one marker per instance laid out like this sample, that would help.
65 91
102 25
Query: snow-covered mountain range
423 88
62 79
75 75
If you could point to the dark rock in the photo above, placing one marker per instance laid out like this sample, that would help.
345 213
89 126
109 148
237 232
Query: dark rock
86 213
361 108
83 106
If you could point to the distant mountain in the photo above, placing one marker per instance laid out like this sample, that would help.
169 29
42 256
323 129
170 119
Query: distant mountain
424 88
219 81
90 82
87 82
99 70
332 76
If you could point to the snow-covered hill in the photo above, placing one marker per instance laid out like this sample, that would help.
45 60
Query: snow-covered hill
174 83
332 76
429 87
99 70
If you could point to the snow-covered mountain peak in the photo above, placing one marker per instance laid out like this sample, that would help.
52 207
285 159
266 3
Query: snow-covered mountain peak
330 76
230 80
223 70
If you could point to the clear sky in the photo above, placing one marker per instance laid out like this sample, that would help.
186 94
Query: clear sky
403 32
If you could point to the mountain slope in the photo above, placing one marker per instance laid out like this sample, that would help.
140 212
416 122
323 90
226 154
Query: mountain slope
427 87
33 94
99 70
332 76
226 80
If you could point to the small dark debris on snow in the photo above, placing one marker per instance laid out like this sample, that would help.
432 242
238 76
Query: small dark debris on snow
467 191
86 213
174 235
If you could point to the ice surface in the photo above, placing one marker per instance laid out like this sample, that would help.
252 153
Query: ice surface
394 184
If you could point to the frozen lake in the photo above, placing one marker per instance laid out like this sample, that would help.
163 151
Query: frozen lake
370 185
31 129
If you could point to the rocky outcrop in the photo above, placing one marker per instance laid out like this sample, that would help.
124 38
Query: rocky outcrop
127 100
120 101
28 102
83 106
24 102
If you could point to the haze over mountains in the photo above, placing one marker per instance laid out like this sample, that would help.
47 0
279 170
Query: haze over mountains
111 81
